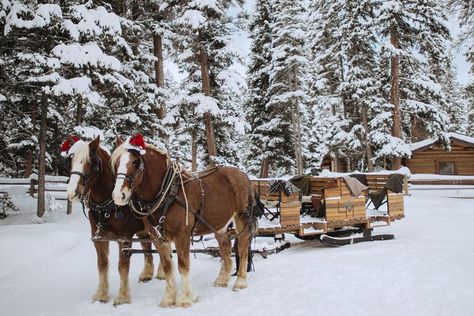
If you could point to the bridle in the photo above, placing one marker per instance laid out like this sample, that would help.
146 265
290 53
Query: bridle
131 178
96 167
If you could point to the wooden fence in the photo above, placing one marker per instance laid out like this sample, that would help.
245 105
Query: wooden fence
52 184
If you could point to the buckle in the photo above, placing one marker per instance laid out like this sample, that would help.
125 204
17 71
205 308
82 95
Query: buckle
162 219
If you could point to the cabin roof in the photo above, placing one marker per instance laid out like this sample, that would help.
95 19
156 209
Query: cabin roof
453 137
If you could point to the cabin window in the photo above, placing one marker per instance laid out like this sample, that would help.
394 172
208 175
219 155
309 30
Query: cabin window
446 168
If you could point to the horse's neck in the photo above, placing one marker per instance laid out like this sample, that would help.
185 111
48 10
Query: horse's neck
104 184
153 173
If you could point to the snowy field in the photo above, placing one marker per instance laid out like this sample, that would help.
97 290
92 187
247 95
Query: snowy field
50 269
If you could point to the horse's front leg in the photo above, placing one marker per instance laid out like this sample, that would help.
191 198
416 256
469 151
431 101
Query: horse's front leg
186 297
102 293
147 273
164 250
123 296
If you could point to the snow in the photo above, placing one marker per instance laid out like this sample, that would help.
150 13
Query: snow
85 55
41 17
430 141
50 269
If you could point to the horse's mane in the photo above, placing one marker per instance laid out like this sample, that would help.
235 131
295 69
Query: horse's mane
115 156
168 158
83 154
121 149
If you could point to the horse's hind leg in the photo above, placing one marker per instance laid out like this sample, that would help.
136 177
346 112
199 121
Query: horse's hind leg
185 298
243 229
164 250
123 296
226 261
102 293
147 273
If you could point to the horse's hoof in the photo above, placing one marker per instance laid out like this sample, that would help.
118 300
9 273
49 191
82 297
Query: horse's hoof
167 303
119 300
185 302
102 297
144 279
220 283
160 277
240 284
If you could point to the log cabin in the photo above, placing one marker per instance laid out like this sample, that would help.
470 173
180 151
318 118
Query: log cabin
428 156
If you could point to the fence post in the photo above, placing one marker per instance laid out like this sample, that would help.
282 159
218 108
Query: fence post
69 207
33 183
405 186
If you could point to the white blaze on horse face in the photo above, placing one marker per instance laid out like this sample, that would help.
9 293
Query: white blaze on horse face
72 190
122 194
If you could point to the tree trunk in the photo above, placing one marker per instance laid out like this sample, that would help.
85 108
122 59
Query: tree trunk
194 151
30 157
159 70
265 167
295 118
79 112
42 157
368 149
395 93
206 89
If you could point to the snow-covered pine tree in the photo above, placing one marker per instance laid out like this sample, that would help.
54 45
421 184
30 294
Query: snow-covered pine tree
342 41
465 13
287 88
29 32
414 31
258 80
207 55
457 104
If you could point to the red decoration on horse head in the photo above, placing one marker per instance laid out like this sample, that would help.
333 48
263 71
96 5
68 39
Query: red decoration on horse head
68 144
136 143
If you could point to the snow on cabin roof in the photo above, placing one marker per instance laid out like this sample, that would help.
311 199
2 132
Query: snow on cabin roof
430 141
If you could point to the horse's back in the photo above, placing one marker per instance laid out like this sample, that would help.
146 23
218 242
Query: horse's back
239 183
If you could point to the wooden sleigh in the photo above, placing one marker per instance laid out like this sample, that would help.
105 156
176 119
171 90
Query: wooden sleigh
336 213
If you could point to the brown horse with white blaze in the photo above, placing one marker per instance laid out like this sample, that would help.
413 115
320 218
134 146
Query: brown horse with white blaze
92 181
177 205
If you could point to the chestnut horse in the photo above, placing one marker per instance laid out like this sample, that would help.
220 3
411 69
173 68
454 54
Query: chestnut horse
176 205
92 181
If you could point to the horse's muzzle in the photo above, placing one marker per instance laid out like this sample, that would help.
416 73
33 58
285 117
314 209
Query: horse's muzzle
121 198
73 196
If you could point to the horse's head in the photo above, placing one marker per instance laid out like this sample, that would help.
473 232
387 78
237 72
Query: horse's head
128 164
85 167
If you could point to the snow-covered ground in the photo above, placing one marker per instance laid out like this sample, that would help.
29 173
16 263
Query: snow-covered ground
50 269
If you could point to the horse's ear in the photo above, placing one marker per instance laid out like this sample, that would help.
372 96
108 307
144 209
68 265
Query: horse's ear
118 141
94 144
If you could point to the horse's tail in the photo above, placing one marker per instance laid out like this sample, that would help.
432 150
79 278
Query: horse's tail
256 207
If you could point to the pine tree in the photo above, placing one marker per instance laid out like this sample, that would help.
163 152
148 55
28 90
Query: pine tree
258 79
287 88
416 37
212 87
342 43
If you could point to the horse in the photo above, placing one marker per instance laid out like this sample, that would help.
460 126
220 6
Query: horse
91 180
177 205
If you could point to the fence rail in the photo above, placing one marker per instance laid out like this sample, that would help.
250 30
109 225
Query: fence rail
52 184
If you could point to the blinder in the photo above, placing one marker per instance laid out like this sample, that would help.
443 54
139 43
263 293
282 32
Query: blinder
96 167
139 165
